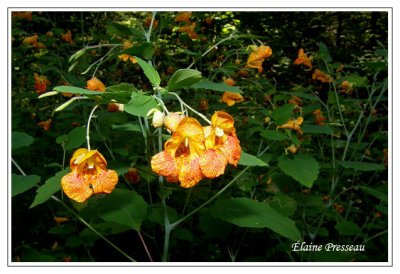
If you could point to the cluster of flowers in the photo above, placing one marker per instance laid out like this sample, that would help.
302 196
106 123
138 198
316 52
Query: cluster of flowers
189 28
195 152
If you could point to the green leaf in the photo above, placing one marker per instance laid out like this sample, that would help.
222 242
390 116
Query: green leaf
76 55
347 228
76 138
118 29
245 212
150 72
324 52
302 168
363 166
282 114
20 139
183 78
315 129
20 183
206 84
375 193
250 160
140 105
112 93
124 207
274 135
51 186
76 90
357 80
127 127
145 49
123 87
284 204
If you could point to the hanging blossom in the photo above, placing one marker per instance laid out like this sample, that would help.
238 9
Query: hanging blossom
321 76
257 57
319 118
95 84
293 124
67 37
89 175
195 152
183 17
230 98
302 58
41 83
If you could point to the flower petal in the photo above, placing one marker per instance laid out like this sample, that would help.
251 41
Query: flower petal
163 164
76 187
212 163
231 150
104 181
189 171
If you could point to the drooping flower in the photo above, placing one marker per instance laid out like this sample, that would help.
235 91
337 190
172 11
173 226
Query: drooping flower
46 125
172 120
41 83
321 76
230 98
222 145
183 17
95 84
132 176
292 149
31 40
67 37
89 175
125 57
179 161
346 87
114 107
295 100
293 124
319 118
189 29
302 58
257 57
229 81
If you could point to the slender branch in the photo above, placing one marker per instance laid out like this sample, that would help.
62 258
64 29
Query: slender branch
189 107
18 167
88 127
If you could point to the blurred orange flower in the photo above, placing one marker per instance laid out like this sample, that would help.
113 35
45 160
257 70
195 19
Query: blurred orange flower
23 15
346 87
67 37
46 125
319 118
203 104
293 124
41 83
292 149
89 175
230 98
189 29
31 40
229 82
321 76
183 17
125 57
257 57
295 100
302 58
147 22
132 176
95 84
60 220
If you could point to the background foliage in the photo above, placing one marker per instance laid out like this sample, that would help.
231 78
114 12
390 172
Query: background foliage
332 189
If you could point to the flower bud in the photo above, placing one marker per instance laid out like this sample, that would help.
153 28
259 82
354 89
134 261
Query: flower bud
172 120
158 119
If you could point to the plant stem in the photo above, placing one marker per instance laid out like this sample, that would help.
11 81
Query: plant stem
92 228
88 127
145 246
189 107
18 167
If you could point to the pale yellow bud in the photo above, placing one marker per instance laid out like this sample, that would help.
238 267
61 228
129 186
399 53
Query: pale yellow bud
158 118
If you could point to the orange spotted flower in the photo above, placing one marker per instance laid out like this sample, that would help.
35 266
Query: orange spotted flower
302 58
183 17
125 57
293 124
319 118
89 175
95 84
67 37
46 125
230 98
41 83
180 159
321 76
257 57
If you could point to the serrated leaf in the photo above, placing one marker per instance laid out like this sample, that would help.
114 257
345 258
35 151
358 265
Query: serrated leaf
124 207
183 78
206 84
245 212
75 138
250 160
20 139
20 183
302 168
363 166
273 135
150 72
282 114
51 186
140 105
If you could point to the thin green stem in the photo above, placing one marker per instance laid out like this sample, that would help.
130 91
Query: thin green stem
189 107
88 127
209 200
92 228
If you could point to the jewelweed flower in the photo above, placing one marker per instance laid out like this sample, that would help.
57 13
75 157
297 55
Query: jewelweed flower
31 40
46 125
41 83
132 176
183 17
302 58
257 57
293 124
319 118
229 82
172 120
295 100
189 29
230 98
23 15
67 37
292 149
158 118
125 57
95 85
179 161
321 76
89 175
346 87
